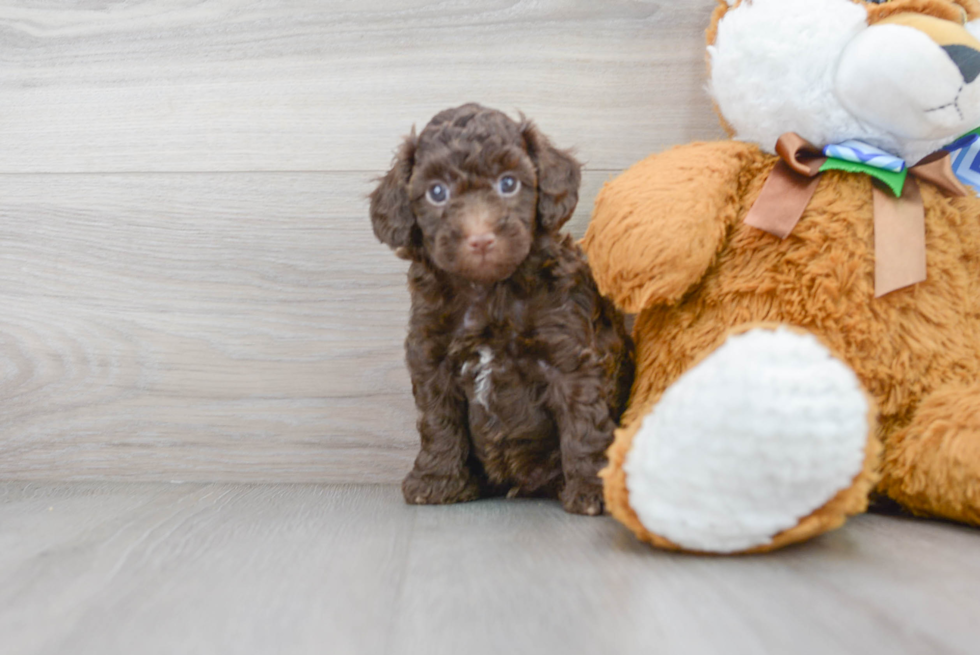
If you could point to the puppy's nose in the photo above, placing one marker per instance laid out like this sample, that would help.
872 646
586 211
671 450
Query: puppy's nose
966 59
481 244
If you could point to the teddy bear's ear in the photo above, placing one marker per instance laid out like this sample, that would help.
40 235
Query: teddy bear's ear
559 176
391 207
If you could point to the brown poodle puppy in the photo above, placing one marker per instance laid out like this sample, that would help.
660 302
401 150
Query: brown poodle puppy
520 369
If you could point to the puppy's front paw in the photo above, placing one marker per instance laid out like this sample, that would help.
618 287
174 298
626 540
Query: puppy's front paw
583 497
432 489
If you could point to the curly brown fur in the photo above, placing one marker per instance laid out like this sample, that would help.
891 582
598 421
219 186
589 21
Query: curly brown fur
520 369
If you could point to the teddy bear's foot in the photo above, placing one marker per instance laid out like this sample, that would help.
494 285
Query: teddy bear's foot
932 466
749 444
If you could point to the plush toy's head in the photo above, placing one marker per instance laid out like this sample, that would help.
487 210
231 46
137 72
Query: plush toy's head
902 75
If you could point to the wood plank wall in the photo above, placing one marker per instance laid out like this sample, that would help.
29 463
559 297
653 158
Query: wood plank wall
189 286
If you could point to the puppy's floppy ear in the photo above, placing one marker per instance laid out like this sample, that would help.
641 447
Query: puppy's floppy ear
559 177
391 207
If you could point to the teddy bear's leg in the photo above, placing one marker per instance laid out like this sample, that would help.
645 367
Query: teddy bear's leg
768 439
932 466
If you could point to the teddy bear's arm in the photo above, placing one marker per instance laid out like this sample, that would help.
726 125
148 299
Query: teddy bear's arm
657 227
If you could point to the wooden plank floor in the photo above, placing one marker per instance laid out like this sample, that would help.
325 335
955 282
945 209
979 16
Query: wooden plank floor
107 568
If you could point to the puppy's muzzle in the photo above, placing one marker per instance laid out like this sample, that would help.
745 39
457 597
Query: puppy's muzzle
478 222
481 244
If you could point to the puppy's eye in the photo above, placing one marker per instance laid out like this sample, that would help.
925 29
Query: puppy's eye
508 185
437 194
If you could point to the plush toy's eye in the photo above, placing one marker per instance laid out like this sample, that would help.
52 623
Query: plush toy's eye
508 185
437 194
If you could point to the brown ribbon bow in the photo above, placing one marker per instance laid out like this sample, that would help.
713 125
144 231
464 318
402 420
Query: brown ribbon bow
899 223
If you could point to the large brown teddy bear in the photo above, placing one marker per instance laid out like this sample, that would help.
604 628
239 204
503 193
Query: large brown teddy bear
808 328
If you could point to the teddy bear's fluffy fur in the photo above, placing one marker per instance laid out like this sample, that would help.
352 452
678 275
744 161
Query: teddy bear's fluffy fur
668 241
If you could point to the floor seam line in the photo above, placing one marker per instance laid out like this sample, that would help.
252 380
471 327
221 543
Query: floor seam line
400 586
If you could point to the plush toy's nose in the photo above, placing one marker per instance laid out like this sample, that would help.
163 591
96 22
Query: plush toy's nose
967 59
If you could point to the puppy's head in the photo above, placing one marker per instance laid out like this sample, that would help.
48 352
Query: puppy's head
472 191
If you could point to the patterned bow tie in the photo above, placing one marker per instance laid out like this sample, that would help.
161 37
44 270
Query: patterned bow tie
899 216
856 156
965 156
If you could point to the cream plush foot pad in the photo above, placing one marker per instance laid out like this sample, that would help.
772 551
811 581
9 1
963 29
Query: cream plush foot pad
761 433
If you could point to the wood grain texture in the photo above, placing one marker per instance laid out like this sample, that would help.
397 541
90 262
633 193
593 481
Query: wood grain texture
214 568
202 327
189 286
233 85
198 568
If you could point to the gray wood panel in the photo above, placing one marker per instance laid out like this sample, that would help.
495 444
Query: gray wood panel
198 568
229 85
188 284
242 326
214 568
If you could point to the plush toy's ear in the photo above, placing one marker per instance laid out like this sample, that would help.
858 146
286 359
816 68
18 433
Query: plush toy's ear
559 177
391 207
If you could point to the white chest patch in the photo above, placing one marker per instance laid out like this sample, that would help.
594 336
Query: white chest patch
469 319
482 371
